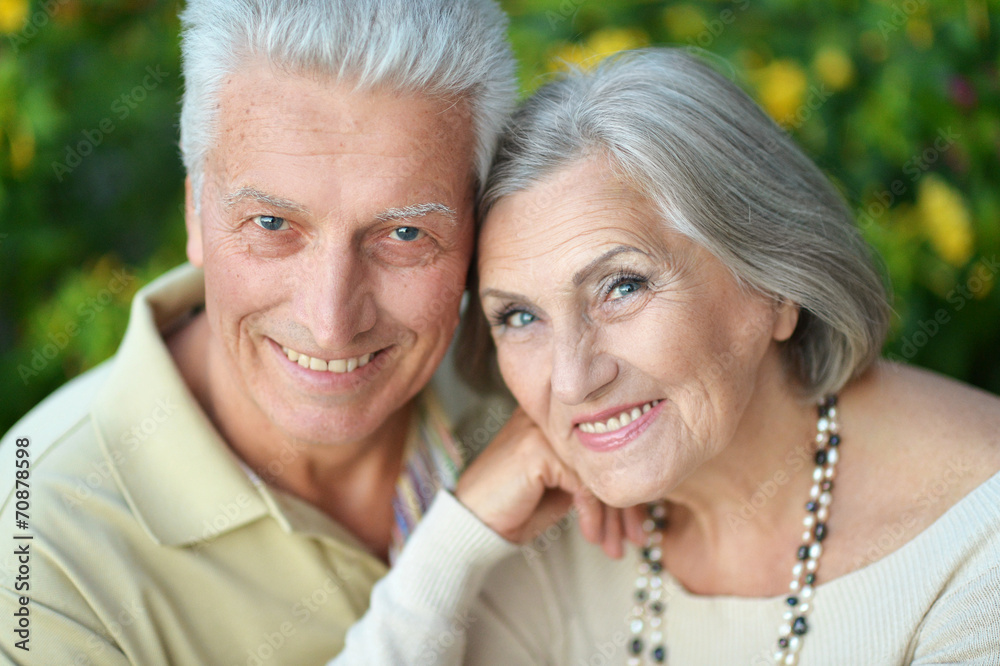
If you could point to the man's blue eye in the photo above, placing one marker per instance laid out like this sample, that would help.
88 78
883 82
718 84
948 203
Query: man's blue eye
271 222
405 233
519 319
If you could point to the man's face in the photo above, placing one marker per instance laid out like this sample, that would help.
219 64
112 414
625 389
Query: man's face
335 232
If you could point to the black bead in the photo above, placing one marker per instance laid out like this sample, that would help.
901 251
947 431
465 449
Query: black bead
659 654
783 642
656 567
834 440
799 626
810 578
660 523
656 607
645 553
640 595
803 552
827 484
820 531
636 646
792 601
821 457
811 507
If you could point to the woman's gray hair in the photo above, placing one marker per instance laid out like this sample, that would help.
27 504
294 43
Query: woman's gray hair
722 173
452 48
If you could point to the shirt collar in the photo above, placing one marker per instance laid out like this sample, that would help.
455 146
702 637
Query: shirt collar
181 480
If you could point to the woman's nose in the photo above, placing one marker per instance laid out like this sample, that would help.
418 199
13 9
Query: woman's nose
581 370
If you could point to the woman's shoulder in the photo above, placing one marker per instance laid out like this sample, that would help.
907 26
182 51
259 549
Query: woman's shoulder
915 445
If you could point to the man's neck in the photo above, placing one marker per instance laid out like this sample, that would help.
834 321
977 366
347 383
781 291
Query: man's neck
353 483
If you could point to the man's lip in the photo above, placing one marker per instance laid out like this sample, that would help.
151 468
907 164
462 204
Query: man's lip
326 380
608 413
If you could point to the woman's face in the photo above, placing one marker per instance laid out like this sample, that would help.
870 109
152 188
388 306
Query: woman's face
634 350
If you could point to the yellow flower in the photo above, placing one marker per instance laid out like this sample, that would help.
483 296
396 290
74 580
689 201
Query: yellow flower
920 33
834 67
683 22
945 220
22 150
599 45
782 86
12 14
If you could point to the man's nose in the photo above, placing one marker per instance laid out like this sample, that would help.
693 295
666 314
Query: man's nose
581 370
335 299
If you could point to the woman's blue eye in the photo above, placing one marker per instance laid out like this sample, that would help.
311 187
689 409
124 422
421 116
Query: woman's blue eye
271 222
518 319
624 288
405 233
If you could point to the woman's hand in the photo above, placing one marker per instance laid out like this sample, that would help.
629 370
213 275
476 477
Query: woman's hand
518 487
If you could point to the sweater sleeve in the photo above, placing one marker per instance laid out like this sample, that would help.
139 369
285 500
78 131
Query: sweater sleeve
963 627
421 611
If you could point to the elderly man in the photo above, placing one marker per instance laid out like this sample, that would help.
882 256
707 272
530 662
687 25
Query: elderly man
228 488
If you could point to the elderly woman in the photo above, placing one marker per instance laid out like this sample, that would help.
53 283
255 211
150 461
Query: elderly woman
690 322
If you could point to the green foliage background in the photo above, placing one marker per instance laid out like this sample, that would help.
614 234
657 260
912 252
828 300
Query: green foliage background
91 187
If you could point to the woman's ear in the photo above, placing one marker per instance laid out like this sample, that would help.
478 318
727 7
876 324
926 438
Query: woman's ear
785 320
192 221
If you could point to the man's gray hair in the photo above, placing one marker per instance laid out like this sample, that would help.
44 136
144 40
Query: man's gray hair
723 174
449 48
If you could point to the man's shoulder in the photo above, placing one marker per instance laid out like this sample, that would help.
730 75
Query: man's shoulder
56 416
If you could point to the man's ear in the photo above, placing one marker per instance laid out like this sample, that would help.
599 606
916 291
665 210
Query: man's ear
786 319
192 220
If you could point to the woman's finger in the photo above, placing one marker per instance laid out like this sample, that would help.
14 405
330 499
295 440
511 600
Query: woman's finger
613 531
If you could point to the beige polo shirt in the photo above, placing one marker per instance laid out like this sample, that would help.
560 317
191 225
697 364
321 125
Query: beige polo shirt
150 542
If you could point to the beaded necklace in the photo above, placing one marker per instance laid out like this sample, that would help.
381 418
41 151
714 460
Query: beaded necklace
646 644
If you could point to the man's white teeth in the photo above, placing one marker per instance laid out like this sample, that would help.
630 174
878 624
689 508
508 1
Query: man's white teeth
339 365
618 422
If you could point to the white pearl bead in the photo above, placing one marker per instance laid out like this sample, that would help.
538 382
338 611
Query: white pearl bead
797 569
809 520
814 491
807 592
807 535
803 608
820 438
655 621
831 413
825 499
829 472
788 615
636 626
832 456
822 514
794 643
778 656
791 659
784 629
794 586
818 474
823 424
810 565
815 551
656 637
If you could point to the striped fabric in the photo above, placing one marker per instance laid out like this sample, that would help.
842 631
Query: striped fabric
432 461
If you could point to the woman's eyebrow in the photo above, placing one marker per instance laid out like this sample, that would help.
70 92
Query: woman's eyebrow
581 275
490 292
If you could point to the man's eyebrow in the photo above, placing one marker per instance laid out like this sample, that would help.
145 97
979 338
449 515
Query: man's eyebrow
417 210
252 193
581 275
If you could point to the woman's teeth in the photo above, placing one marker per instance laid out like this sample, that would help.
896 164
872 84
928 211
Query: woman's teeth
617 422
337 365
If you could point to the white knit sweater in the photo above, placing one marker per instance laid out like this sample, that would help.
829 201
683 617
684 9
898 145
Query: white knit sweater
462 595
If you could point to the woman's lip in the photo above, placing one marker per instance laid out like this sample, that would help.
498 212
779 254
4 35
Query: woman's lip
609 441
608 413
